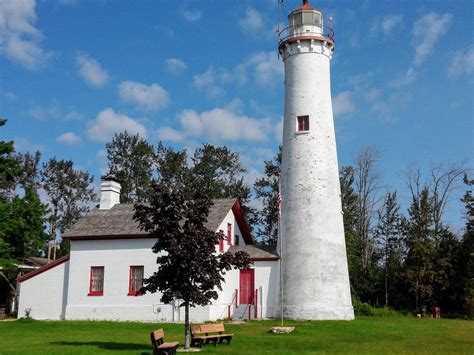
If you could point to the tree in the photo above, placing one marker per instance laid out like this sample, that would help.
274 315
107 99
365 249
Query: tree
366 180
420 241
188 267
69 193
22 225
465 271
441 182
221 174
131 159
29 166
267 190
218 168
8 168
389 233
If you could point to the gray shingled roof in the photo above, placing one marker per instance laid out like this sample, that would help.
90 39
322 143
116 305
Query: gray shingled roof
118 221
256 251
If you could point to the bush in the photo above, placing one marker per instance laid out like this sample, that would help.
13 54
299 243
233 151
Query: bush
365 309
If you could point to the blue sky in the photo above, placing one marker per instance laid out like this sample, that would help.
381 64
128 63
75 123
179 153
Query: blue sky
74 71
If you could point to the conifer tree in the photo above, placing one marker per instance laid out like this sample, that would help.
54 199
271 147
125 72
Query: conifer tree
131 160
389 234
267 190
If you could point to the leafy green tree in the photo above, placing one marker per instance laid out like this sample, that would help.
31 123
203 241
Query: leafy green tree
267 190
172 166
188 267
221 174
29 170
389 234
131 160
70 195
465 270
9 169
364 279
23 225
218 169
420 241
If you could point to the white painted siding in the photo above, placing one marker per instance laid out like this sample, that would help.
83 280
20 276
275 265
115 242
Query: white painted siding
49 296
45 294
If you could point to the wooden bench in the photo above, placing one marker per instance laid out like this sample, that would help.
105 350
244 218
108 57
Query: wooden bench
200 334
159 346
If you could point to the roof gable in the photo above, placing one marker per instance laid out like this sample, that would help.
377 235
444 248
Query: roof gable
118 222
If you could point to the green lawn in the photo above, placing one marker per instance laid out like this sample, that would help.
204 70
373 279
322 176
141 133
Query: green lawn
361 336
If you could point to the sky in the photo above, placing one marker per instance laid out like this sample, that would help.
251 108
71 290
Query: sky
73 72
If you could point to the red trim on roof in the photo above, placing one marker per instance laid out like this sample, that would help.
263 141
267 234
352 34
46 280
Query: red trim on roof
110 236
275 258
43 269
243 226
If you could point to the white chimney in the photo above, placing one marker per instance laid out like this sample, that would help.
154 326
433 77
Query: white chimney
109 192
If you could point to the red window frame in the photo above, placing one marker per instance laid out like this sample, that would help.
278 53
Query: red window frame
221 241
96 288
303 123
133 288
229 234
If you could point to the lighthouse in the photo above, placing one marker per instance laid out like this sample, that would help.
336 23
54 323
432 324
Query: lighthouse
314 272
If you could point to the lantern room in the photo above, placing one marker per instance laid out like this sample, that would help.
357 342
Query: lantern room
305 20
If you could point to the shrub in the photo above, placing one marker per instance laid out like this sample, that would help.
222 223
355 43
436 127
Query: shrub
365 309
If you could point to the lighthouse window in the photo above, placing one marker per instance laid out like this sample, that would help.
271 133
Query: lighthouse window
297 19
303 123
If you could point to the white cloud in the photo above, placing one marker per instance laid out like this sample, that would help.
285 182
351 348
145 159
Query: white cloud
426 32
342 104
19 38
462 63
74 116
45 113
108 122
252 22
101 153
149 97
176 65
262 68
91 70
409 77
68 138
387 25
267 68
170 134
218 125
192 15
278 130
207 81
224 125
25 145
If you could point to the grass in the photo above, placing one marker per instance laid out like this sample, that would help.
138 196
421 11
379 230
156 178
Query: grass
365 335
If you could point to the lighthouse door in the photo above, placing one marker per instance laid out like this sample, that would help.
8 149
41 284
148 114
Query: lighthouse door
247 284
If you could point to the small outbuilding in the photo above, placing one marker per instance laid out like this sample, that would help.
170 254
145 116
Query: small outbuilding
110 256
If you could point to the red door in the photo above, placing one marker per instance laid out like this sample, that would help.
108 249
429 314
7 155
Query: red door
247 284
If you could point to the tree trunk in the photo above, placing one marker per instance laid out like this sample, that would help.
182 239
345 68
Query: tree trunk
386 283
187 334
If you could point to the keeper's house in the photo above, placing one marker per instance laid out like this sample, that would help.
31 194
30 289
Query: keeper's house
101 277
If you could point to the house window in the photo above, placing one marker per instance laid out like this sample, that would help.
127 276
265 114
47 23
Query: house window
303 123
236 239
135 280
229 234
96 285
221 241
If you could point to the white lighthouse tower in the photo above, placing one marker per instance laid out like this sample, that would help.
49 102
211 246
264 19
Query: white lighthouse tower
315 278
